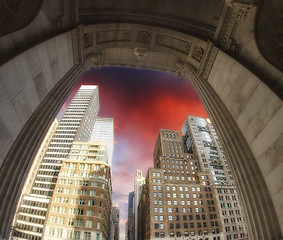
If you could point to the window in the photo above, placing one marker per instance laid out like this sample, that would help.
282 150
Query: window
90 202
61 220
92 193
80 211
88 224
87 235
98 225
90 212
79 222
77 234
53 219
70 222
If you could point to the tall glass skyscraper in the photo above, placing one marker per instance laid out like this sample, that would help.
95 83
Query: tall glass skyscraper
103 130
76 125
201 138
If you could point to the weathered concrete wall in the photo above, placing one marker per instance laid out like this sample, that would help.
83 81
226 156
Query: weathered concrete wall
258 113
26 80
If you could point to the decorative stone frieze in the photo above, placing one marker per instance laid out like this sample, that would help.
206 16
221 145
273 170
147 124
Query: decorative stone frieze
95 60
182 68
78 44
113 36
208 60
174 43
143 36
198 53
140 52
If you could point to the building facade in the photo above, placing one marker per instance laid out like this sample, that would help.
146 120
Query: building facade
76 124
81 204
201 138
115 218
178 200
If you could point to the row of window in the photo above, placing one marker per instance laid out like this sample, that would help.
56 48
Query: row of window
32 211
81 183
35 204
48 192
186 234
46 179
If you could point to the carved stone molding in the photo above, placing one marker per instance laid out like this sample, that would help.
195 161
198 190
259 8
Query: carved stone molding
174 43
233 13
208 60
88 40
143 36
242 3
95 60
198 53
78 44
227 27
113 36
141 52
183 68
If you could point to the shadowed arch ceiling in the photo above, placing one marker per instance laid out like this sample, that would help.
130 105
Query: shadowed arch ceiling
199 18
269 31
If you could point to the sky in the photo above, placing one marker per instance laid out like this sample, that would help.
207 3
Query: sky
141 102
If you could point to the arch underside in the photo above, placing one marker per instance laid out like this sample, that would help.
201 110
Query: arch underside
245 112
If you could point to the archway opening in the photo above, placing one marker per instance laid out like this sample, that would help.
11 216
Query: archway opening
141 103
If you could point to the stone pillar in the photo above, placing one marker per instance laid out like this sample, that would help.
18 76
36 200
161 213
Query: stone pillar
261 216
16 165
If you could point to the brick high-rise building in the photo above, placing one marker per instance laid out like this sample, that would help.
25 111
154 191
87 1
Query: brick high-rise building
178 200
81 204
201 138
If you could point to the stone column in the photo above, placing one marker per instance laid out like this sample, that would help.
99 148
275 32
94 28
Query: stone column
261 217
17 164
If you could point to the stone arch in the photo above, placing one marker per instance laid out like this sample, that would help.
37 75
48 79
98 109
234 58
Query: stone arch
233 97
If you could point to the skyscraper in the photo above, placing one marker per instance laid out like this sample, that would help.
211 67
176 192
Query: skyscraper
104 130
115 217
75 125
201 138
178 200
129 228
139 182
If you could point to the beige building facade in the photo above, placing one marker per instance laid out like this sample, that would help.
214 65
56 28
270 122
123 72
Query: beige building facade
81 204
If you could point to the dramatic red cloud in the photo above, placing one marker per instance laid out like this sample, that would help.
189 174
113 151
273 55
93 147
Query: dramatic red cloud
141 102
